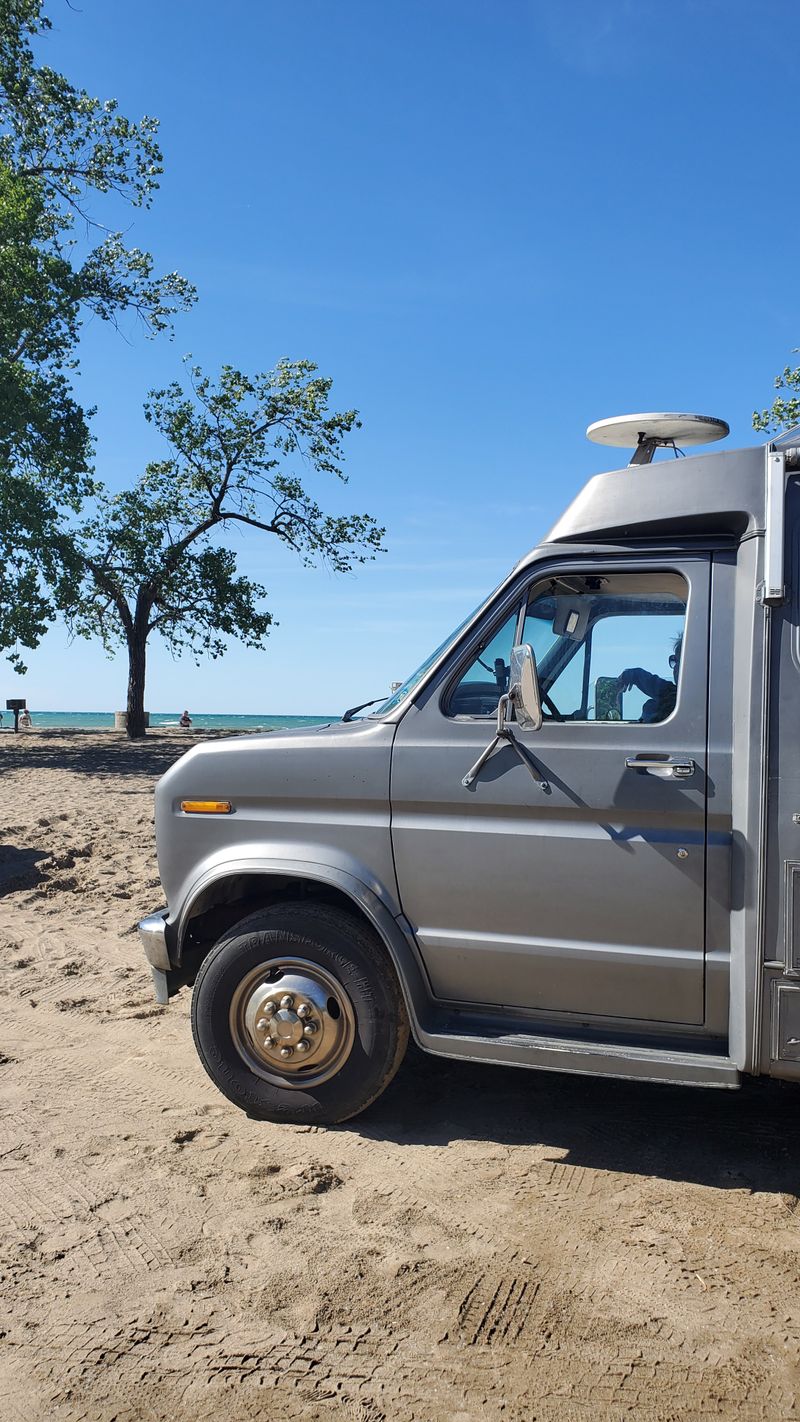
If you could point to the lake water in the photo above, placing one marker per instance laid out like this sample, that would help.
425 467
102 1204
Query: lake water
208 721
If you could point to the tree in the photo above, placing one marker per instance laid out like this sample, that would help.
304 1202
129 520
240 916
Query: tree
44 438
150 559
785 409
58 147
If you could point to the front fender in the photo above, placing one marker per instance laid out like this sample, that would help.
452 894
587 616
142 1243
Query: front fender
337 871
322 862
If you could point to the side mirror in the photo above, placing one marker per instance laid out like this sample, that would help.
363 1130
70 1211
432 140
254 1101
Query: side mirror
523 688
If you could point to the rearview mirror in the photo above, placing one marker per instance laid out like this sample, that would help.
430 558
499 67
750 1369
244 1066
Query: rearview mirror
523 688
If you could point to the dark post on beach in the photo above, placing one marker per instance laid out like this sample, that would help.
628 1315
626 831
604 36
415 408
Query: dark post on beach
16 706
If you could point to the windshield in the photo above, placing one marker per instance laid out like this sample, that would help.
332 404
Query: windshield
416 677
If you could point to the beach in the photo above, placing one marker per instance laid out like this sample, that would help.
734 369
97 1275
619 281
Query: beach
165 721
483 1245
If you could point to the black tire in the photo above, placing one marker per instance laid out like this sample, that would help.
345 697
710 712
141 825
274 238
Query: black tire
344 949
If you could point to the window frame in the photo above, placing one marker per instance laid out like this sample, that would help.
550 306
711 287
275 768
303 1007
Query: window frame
520 592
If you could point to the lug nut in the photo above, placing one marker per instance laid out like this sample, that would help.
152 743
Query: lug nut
287 1000
271 1042
269 1009
303 1010
304 1046
262 1024
309 1029
286 1052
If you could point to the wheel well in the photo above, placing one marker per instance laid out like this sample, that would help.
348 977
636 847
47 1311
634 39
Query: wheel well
226 901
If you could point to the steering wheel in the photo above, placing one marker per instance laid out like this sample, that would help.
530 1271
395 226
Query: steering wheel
551 706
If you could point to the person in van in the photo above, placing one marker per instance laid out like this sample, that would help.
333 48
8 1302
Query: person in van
661 693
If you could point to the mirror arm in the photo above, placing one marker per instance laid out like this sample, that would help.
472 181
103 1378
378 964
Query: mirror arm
506 736
471 775
521 755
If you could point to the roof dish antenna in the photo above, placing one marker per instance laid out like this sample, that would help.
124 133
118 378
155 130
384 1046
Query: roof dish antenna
656 430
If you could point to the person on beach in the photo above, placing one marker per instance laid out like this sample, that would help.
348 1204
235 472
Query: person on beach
25 720
185 722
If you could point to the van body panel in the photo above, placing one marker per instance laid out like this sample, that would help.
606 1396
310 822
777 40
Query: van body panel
719 842
780 1042
317 793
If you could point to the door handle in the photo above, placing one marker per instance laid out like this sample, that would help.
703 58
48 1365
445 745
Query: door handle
668 767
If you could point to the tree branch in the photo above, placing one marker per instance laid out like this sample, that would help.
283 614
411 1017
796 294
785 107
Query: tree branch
113 593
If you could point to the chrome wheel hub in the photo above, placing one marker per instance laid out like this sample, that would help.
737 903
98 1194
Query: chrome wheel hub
292 1022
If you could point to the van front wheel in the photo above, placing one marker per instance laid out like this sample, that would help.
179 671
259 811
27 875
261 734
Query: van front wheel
298 1016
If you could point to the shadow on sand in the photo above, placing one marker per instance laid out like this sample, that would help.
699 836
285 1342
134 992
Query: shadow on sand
743 1140
19 868
93 754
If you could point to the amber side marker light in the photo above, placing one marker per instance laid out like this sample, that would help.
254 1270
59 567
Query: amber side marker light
206 807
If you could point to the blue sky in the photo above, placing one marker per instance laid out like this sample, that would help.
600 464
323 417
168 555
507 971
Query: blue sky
491 224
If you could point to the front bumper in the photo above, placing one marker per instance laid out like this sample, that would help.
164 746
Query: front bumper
153 933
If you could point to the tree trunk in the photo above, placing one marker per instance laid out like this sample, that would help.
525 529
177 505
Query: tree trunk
137 653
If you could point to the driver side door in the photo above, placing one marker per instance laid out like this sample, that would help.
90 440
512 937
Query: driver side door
586 896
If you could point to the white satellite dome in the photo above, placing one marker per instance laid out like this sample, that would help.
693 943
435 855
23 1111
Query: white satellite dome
646 433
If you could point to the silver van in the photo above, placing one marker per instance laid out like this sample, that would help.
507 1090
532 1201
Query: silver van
571 840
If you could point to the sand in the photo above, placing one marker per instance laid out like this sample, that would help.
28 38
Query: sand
483 1244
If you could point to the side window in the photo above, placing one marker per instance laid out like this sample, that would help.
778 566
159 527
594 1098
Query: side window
608 647
486 678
